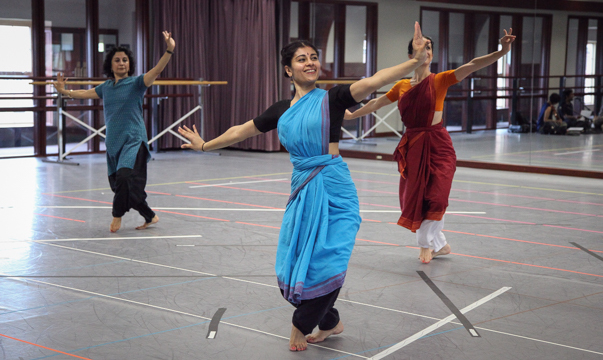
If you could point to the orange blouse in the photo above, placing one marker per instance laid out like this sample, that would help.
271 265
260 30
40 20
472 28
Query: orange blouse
442 82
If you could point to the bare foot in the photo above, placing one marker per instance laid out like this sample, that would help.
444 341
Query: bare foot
321 335
443 251
155 220
425 255
115 224
297 342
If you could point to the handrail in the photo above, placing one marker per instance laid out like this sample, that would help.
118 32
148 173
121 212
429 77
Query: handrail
54 97
335 81
156 82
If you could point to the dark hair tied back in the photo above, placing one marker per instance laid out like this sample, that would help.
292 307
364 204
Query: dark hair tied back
410 49
288 51
109 58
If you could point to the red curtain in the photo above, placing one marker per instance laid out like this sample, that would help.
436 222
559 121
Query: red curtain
231 40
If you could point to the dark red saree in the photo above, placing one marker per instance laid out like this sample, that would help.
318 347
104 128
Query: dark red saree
425 156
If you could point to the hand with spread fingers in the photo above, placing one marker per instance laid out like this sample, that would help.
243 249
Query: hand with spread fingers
507 40
192 136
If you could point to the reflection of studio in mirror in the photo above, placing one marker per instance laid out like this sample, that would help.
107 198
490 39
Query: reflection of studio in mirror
492 115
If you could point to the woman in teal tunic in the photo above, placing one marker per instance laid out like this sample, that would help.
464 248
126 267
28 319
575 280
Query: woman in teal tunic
322 215
126 141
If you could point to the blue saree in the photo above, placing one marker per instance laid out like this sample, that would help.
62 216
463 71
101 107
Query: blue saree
322 216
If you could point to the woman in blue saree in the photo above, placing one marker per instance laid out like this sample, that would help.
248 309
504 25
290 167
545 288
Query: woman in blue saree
322 215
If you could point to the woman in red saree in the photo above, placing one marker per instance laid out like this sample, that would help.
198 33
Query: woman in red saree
425 155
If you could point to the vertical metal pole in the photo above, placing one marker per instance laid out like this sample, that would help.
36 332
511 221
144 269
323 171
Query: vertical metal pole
514 101
155 116
60 126
562 82
201 125
598 93
470 107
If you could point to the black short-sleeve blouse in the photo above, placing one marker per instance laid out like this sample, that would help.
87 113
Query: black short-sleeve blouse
340 98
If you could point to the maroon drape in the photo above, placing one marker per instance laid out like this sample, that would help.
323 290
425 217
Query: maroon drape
425 156
231 40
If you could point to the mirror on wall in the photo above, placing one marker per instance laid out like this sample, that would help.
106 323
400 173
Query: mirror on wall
492 116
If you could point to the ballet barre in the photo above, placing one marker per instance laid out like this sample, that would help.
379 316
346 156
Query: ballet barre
98 132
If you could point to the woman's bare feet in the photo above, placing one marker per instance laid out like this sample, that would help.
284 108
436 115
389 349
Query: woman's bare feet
155 220
425 255
443 251
115 224
321 335
297 341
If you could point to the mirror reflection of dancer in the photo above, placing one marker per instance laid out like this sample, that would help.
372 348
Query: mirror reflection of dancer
322 216
126 141
425 155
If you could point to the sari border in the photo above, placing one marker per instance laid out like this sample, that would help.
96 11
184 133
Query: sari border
434 215
326 123
308 179
300 293
415 225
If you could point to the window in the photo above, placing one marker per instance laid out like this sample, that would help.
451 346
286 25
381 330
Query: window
16 127
471 34
583 60
589 82
345 34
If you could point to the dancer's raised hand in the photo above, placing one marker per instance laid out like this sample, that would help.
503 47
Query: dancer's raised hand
507 40
192 136
419 44
171 44
59 84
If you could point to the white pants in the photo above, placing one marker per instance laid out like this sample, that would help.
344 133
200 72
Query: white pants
430 235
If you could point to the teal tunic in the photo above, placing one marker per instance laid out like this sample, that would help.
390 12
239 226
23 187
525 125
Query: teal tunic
125 125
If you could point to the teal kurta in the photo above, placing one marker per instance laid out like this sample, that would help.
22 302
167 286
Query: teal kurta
125 124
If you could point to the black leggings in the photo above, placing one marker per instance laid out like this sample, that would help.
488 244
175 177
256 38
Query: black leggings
318 311
128 186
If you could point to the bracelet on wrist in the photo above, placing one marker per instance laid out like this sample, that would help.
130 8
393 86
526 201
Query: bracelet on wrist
169 52
202 146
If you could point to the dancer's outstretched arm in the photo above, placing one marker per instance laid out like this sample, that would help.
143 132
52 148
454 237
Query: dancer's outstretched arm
483 61
59 85
363 88
152 74
371 106
233 135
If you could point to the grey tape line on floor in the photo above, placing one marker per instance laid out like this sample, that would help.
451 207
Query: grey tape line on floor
450 305
587 251
215 321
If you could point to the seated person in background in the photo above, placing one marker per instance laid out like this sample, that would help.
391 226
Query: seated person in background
566 112
548 120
